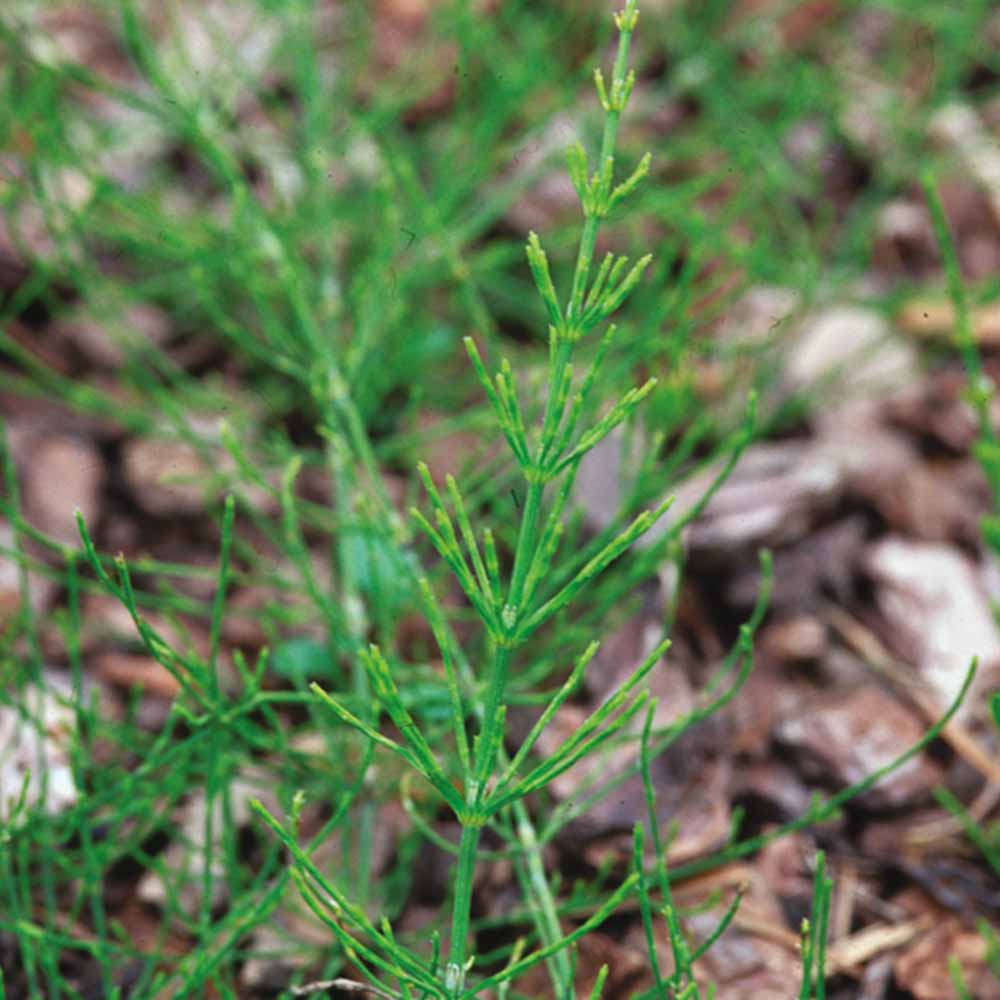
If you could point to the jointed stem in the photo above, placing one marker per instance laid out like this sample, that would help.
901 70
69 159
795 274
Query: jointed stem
522 557
583 259
562 970
455 970
489 740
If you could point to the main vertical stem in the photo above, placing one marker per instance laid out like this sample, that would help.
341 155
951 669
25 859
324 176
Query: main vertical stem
488 738
469 844
454 979
485 746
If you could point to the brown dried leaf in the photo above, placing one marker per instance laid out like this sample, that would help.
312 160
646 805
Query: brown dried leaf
798 639
959 128
934 411
627 965
128 670
168 477
905 246
756 958
848 735
776 495
854 336
42 590
922 968
935 501
936 613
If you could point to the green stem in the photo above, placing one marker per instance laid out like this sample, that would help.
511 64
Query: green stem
547 916
484 749
583 258
487 733
528 532
471 828
491 718
454 973
522 555
588 238
553 412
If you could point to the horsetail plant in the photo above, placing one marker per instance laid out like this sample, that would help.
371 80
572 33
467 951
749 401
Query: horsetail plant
520 592
512 608
482 785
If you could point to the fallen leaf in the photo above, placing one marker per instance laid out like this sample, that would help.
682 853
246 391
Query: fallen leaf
128 670
936 613
922 967
846 736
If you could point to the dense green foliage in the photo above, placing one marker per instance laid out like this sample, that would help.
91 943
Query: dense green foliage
350 261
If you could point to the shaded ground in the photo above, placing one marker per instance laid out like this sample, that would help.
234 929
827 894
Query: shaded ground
148 293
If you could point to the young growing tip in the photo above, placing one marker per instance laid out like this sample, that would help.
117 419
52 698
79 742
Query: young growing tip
627 19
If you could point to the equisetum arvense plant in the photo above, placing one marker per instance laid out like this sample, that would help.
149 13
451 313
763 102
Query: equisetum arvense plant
512 609
213 726
491 785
